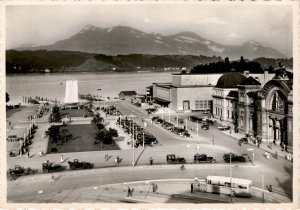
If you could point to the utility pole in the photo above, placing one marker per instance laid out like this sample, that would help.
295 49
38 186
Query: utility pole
230 181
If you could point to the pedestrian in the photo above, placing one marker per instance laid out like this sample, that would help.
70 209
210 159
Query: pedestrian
192 188
128 192
230 131
198 146
28 156
106 156
61 159
153 188
284 147
40 153
151 160
276 155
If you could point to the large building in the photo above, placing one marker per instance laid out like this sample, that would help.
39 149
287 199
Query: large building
188 92
264 111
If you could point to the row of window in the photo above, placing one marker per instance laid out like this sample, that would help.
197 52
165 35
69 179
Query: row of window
218 101
203 104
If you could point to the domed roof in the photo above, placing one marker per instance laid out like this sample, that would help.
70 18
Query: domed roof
230 80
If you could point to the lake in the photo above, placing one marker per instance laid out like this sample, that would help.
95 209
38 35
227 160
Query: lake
53 85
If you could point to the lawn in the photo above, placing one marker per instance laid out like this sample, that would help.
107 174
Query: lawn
82 140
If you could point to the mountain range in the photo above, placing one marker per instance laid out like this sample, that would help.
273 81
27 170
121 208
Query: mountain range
122 40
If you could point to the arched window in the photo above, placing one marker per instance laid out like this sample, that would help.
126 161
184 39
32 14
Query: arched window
277 102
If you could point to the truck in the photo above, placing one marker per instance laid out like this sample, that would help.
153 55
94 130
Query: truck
201 158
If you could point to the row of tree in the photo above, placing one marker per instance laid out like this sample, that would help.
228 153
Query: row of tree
226 65
103 136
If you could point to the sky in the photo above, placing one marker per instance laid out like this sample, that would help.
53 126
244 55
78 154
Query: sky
271 25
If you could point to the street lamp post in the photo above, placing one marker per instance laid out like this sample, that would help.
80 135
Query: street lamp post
133 144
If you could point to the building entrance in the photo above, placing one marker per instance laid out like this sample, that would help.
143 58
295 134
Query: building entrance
186 105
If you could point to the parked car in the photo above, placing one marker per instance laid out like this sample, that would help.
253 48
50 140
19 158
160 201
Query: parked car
171 158
195 119
243 140
234 158
167 125
205 126
20 171
209 121
51 167
186 134
76 164
13 138
224 127
151 110
198 158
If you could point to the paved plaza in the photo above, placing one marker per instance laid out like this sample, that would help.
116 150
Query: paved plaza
277 171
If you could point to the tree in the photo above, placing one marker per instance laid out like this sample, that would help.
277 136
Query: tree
55 115
113 132
7 97
54 134
98 120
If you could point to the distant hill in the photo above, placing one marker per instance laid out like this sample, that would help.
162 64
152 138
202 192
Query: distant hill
67 61
126 40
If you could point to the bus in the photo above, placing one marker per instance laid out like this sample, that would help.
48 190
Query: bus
222 185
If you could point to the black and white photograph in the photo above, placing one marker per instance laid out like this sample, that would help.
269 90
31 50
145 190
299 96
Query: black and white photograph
150 103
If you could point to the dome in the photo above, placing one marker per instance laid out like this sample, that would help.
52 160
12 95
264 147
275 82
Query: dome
230 80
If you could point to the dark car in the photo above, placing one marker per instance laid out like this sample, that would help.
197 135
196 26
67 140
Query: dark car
243 140
186 134
76 164
20 171
195 119
51 167
151 110
198 158
171 158
234 158
205 126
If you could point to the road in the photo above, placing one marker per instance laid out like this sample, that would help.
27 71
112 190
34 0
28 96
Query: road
25 189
